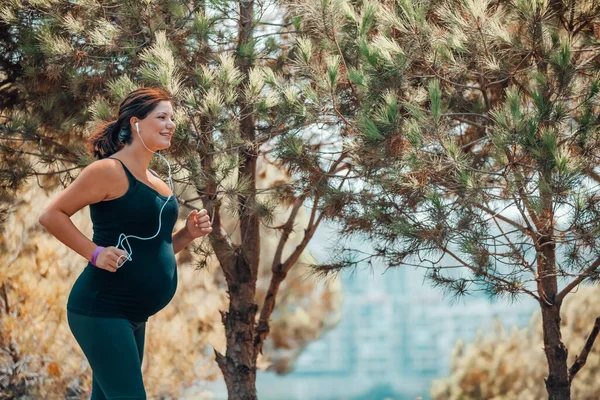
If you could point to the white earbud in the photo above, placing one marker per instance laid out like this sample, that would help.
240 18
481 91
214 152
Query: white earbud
137 127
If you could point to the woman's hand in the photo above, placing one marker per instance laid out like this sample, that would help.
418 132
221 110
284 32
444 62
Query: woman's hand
108 257
198 224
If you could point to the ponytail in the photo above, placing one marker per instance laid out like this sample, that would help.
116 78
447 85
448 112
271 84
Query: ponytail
105 142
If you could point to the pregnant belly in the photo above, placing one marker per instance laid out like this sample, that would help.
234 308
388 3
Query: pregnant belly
146 284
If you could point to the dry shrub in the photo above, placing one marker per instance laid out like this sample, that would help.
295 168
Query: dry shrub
507 366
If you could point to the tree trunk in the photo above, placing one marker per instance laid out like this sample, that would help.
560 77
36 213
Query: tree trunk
557 382
239 363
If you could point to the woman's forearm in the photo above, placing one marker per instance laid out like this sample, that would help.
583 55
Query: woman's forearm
181 238
60 225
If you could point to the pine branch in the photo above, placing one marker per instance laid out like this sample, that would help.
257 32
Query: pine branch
455 84
515 249
279 269
561 295
274 24
592 174
220 242
587 61
287 230
39 155
479 271
582 357
36 173
524 197
468 122
462 114
494 215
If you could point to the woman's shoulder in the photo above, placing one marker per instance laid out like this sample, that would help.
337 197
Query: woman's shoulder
106 168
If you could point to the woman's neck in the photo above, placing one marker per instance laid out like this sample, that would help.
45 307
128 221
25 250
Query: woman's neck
137 159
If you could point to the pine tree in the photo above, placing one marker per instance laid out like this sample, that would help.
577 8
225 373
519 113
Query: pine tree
242 98
479 145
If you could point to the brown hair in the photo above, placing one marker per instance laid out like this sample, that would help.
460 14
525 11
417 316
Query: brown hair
112 136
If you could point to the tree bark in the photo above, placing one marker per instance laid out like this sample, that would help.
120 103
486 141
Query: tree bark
239 363
558 384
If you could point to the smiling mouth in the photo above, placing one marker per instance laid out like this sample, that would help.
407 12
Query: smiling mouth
167 135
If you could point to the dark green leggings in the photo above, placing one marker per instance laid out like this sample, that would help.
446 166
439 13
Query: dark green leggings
114 347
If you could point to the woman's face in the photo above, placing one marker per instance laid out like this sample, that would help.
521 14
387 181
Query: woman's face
157 128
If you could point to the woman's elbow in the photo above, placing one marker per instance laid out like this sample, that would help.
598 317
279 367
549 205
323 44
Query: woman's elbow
45 218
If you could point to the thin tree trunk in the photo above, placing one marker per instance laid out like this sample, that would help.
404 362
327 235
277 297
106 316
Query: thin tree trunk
557 382
239 363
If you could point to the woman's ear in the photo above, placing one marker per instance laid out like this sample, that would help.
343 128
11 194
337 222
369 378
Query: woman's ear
133 121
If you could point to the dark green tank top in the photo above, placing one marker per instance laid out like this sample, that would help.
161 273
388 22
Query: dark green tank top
144 285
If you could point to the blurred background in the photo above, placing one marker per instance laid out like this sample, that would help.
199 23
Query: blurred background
395 335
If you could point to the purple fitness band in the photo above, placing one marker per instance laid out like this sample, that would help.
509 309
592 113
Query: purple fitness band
95 255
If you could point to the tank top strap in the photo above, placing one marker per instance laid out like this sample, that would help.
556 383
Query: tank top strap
130 176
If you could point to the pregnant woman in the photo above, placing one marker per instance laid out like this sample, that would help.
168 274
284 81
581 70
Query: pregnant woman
132 272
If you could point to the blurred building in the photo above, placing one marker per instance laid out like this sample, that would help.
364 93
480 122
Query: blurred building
395 332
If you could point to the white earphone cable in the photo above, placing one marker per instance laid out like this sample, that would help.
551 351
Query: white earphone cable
124 239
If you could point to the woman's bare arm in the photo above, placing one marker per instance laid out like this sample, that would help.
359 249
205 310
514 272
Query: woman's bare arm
91 186
181 238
